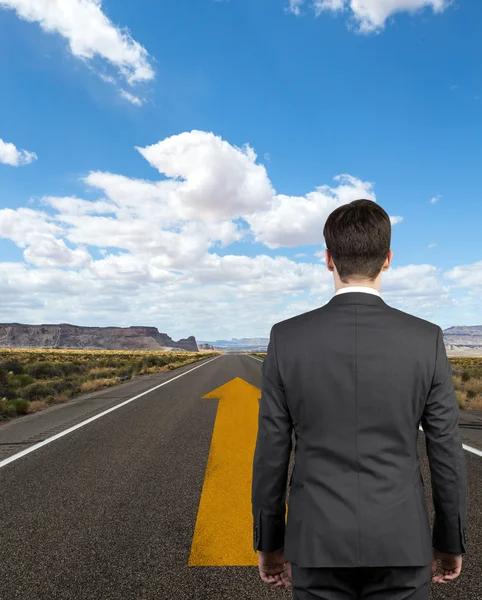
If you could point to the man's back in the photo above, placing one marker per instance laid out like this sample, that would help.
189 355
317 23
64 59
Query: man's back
358 378
353 380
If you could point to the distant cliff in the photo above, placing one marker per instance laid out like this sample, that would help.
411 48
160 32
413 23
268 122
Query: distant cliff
242 345
206 347
16 335
463 340
459 341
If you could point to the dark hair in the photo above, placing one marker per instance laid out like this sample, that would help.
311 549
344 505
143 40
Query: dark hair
358 236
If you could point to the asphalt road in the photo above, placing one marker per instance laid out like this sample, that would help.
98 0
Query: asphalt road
107 512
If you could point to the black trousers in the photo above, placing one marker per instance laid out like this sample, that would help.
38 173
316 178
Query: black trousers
360 583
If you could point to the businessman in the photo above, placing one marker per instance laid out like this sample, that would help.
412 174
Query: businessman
351 381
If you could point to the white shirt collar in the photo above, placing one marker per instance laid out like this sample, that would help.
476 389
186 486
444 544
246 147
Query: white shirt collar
358 288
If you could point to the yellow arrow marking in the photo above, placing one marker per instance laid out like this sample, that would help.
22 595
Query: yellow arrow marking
223 535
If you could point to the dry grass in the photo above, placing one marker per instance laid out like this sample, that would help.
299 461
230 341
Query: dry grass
475 403
37 405
467 376
96 384
461 399
153 369
458 382
474 386
31 379
100 372
175 365
60 398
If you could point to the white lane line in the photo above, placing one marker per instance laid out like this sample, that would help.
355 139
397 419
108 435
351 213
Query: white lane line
464 446
255 357
10 459
473 450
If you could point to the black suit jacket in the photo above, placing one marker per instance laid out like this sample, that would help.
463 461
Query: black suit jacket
351 381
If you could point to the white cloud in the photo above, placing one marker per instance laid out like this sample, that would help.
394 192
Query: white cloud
333 5
20 224
39 235
210 178
432 245
208 186
89 32
435 199
371 15
295 6
52 252
10 155
131 98
468 276
298 220
76 206
147 252
122 92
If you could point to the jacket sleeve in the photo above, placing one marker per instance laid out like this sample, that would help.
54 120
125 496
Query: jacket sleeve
271 457
446 457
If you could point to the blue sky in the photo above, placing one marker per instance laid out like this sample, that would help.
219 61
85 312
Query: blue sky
180 157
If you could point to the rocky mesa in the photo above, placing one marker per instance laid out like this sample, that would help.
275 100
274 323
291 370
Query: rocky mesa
463 340
65 336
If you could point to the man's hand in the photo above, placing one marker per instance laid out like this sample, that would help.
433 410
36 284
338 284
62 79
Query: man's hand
274 569
450 567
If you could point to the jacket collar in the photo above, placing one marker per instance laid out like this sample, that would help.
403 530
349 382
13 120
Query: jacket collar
356 298
358 288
